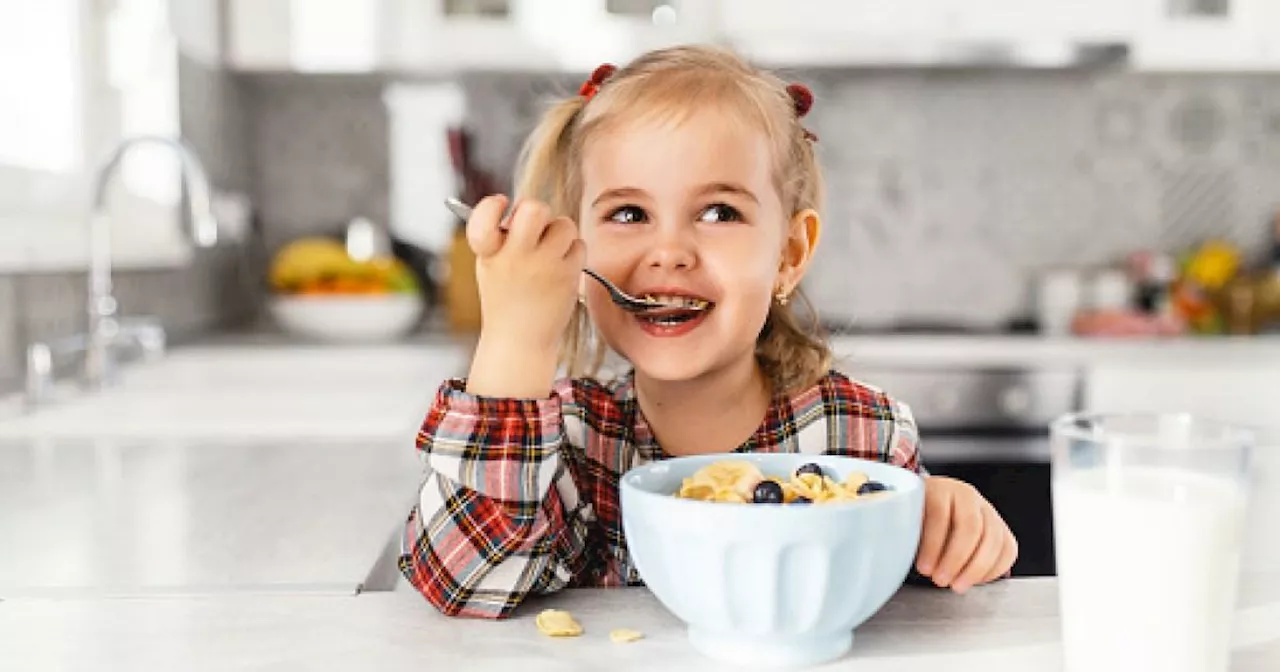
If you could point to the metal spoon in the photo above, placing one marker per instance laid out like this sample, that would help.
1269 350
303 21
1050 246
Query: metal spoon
623 299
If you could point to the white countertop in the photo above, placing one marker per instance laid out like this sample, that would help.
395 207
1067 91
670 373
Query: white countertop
1014 350
138 517
260 388
1010 626
219 511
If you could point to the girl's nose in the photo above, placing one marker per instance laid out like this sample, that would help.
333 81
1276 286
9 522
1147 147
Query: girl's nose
672 247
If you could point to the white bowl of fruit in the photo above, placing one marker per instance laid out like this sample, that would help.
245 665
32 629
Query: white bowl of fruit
320 293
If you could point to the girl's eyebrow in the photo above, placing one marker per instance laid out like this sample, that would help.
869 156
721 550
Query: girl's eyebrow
727 188
618 193
704 190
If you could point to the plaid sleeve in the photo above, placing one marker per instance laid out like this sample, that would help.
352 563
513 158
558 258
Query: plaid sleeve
904 438
490 527
841 416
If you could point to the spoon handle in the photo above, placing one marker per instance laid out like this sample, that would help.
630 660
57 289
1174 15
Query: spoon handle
462 210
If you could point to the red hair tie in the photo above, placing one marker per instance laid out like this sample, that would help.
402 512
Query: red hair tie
590 87
802 100
801 97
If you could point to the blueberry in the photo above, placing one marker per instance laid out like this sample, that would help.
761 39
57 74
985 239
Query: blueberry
767 492
809 468
802 500
871 486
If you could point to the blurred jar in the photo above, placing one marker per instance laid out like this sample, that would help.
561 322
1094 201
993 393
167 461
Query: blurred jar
1111 289
1238 302
1059 296
1267 302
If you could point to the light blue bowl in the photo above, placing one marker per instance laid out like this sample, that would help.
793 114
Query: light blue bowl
771 584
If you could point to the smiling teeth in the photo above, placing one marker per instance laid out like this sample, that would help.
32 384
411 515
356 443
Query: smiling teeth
678 301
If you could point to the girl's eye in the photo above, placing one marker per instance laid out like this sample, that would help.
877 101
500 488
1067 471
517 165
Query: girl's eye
720 212
627 214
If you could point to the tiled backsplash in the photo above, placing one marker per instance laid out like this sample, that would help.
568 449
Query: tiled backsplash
213 291
319 150
949 190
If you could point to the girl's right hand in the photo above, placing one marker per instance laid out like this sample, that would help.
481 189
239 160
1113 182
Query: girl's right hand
528 269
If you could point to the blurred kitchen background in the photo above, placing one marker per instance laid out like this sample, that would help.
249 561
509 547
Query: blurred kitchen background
992 165
1033 207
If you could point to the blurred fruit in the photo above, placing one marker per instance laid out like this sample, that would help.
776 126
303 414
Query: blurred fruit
1213 264
321 267
1194 306
306 259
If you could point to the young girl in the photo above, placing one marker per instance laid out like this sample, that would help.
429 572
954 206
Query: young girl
688 176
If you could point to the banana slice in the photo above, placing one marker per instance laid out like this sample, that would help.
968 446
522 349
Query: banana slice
729 495
808 485
855 481
691 489
739 475
625 636
557 623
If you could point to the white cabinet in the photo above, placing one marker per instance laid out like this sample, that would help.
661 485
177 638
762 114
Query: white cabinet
823 19
426 37
1230 35
818 32
1048 21
258 33
442 36
308 36
197 27
578 35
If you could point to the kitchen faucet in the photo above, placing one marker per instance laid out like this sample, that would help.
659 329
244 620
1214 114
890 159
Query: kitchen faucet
105 330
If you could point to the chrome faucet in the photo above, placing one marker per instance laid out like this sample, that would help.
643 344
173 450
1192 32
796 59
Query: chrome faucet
105 330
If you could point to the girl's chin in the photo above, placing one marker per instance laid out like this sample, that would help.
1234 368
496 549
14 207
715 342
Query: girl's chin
662 362
673 372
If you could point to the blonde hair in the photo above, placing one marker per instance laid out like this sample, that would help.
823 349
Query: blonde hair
672 84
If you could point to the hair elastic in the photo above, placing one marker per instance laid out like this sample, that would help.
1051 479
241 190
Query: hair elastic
598 77
802 100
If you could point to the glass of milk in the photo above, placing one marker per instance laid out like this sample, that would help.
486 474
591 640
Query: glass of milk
1148 512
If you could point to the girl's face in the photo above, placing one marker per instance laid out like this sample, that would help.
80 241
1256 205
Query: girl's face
686 210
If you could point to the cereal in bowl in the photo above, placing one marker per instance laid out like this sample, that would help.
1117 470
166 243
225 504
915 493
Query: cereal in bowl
741 482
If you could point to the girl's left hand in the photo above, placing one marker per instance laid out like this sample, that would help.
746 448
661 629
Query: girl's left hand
964 541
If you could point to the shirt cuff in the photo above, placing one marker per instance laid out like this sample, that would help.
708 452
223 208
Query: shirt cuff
504 448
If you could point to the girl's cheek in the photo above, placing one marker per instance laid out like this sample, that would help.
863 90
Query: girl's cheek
602 249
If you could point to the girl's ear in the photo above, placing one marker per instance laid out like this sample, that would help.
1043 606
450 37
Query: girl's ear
797 250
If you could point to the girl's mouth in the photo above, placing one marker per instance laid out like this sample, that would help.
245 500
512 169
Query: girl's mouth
678 301
684 314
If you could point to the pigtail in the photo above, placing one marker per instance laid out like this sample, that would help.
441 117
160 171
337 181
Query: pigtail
544 169
547 172
793 351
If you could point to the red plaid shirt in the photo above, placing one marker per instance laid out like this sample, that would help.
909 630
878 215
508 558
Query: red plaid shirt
520 496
